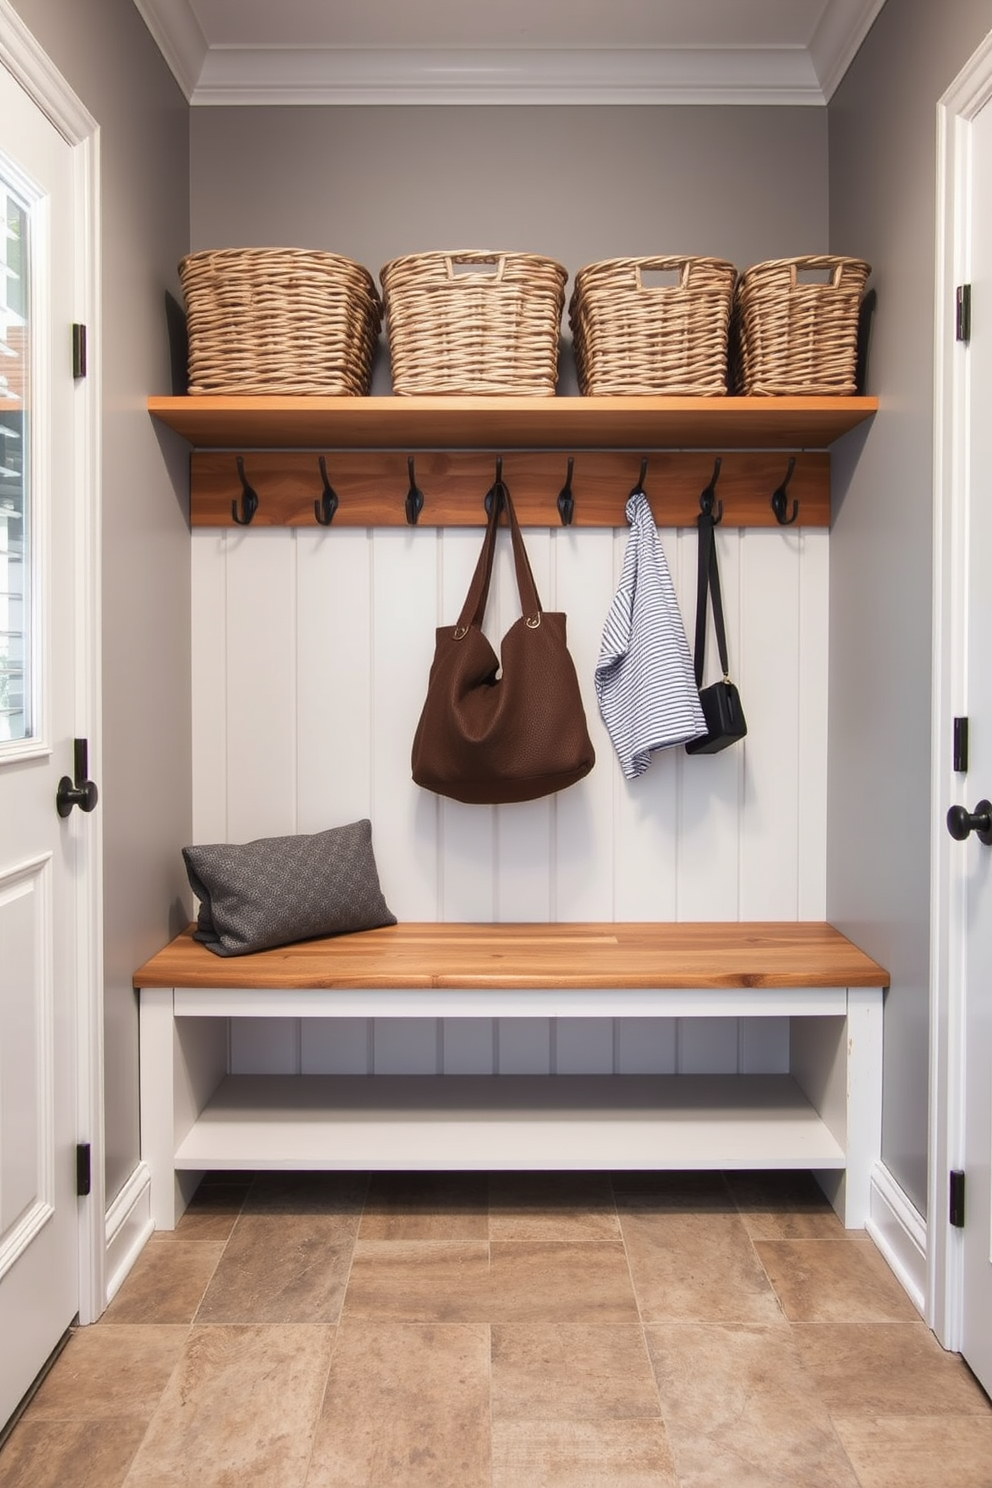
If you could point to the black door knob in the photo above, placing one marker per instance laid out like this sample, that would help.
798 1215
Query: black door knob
79 792
961 822
84 796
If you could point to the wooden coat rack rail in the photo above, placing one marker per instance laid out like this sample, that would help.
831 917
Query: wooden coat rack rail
300 461
370 488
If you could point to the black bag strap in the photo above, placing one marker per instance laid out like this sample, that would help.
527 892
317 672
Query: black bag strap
474 608
708 582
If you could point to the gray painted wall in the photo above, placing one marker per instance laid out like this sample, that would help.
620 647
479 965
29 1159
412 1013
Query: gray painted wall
107 55
882 207
577 184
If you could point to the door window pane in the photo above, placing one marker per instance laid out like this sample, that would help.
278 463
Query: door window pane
15 599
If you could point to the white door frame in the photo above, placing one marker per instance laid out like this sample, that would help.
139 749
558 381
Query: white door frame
21 55
964 99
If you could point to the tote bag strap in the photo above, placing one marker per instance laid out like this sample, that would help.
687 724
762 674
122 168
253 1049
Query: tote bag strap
708 582
474 607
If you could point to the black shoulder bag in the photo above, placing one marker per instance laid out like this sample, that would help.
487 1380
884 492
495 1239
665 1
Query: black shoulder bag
721 702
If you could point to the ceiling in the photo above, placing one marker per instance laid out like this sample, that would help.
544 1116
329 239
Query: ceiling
508 51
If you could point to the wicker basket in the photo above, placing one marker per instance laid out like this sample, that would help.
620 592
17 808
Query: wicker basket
796 326
279 320
474 322
634 337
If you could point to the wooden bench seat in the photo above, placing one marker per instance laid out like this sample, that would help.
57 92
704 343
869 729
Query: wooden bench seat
822 1113
529 955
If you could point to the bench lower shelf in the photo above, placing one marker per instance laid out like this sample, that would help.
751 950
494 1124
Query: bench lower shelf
452 1122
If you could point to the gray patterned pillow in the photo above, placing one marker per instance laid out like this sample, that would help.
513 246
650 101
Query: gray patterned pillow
280 889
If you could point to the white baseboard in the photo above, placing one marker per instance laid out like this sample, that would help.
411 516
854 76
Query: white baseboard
129 1224
900 1232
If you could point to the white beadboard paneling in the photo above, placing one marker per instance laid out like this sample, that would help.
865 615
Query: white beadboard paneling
594 1046
311 655
764 1046
329 636
334 663
524 887
467 866
584 1046
524 831
768 673
646 1046
708 1046
584 833
261 683
403 621
524 1046
265 1046
335 1046
814 595
710 785
467 841
646 869
210 683
406 1046
468 1046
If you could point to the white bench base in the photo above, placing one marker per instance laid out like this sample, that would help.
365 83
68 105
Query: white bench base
824 1115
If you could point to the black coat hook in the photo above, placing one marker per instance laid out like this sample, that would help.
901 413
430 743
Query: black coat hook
566 501
249 499
707 497
779 498
643 475
414 497
494 489
325 508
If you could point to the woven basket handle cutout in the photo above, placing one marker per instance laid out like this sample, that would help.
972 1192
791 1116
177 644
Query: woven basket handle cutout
670 274
817 274
476 268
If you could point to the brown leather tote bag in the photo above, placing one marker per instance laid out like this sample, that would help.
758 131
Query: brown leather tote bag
508 728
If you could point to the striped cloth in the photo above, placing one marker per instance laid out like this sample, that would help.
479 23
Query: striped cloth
645 682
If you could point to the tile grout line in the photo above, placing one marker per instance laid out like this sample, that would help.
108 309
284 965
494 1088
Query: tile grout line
641 1324
814 1386
182 1352
220 1257
351 1259
318 1414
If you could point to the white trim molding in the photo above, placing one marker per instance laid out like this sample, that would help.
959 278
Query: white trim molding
41 79
621 75
319 74
128 1226
843 27
177 34
960 105
900 1233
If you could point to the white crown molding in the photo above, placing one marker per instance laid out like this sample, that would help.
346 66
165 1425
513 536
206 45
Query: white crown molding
41 79
178 36
568 75
524 76
843 27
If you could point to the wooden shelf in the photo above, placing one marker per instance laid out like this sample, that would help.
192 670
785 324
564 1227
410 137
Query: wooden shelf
565 423
580 1122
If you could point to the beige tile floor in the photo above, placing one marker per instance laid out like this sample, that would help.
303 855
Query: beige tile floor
506 1331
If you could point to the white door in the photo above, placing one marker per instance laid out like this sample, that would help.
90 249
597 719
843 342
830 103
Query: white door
40 855
972 873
